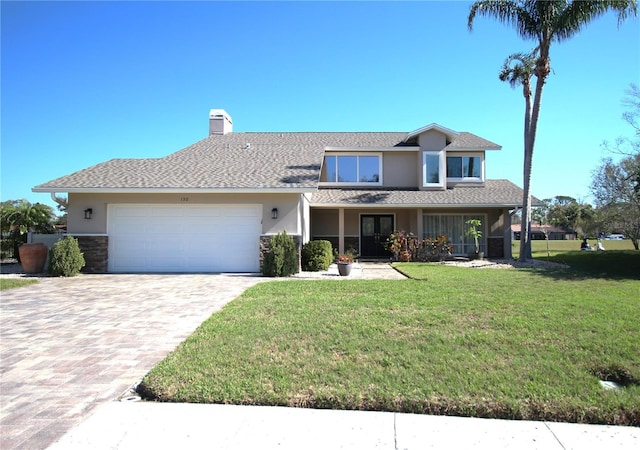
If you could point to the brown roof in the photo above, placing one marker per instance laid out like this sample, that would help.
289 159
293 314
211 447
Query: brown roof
236 161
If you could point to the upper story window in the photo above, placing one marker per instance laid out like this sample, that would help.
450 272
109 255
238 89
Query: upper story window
352 169
433 169
465 168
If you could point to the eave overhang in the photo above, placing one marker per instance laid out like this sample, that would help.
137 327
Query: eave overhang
265 190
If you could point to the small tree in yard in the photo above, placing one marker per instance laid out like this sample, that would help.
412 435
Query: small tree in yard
65 258
282 259
475 232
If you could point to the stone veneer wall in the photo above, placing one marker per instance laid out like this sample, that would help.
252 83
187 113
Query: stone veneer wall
95 250
265 247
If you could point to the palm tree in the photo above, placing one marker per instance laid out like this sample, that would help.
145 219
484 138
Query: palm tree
517 70
545 22
23 216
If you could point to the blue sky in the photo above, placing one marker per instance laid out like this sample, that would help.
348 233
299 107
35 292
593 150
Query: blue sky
85 82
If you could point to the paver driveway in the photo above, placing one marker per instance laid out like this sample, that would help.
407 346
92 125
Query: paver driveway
69 344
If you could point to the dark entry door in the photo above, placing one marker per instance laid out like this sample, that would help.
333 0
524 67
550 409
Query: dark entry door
374 231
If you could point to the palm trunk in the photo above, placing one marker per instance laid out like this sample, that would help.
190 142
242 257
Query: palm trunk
530 138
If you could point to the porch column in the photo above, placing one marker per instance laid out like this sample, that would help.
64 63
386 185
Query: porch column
507 234
420 230
340 230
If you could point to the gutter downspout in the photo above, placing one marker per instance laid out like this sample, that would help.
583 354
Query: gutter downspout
60 201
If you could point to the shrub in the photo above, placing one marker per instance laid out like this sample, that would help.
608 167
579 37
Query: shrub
65 258
282 259
316 256
434 249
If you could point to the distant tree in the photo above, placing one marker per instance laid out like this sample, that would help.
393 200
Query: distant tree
616 186
569 214
17 217
545 22
589 222
628 145
22 216
564 212
616 192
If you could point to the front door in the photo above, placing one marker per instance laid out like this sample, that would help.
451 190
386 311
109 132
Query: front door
374 231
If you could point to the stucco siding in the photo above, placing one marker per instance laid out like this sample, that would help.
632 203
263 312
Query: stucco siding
324 222
288 208
432 140
399 169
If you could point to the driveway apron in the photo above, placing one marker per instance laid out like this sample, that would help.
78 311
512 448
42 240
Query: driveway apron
70 344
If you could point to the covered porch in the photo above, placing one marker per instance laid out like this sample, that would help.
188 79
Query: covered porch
365 230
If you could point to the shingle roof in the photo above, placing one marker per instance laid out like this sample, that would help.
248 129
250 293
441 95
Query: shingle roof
498 193
468 141
236 161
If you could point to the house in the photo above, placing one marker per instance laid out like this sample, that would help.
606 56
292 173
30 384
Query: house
542 232
213 206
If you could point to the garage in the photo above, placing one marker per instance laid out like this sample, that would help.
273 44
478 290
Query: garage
184 238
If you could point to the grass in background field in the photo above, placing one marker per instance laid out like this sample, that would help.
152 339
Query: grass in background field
524 344
618 261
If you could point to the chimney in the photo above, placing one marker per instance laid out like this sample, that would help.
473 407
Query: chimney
219 122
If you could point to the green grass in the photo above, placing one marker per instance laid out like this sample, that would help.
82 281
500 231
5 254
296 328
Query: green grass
10 283
539 248
619 261
520 344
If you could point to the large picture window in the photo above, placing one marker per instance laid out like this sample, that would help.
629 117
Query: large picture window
352 169
464 168
454 227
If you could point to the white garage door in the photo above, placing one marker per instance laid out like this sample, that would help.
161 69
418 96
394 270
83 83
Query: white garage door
184 238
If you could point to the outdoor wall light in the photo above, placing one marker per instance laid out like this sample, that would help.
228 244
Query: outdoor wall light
87 213
274 213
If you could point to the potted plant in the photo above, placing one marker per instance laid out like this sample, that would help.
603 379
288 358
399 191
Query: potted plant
475 232
345 263
23 217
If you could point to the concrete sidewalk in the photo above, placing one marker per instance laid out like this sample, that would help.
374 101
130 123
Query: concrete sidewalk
138 425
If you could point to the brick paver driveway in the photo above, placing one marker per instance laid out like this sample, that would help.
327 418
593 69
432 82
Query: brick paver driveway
69 344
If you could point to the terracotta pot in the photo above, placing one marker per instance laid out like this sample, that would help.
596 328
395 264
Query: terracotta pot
33 257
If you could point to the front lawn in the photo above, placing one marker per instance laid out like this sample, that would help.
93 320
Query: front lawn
10 283
519 344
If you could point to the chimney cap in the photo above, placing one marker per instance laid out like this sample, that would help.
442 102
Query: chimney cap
219 113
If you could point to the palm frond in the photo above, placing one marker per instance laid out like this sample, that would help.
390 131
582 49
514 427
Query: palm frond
570 20
508 12
518 68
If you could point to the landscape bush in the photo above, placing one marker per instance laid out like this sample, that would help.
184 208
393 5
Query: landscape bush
282 259
65 258
316 255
